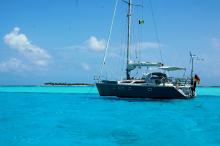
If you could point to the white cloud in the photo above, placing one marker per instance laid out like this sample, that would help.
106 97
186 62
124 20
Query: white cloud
20 42
12 64
92 44
85 66
95 44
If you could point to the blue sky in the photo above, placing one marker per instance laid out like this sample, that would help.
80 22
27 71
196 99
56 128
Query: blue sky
64 41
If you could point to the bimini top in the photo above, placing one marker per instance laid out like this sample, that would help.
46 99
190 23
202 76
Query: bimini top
132 65
171 68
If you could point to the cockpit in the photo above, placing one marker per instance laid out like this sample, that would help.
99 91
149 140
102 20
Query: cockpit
155 78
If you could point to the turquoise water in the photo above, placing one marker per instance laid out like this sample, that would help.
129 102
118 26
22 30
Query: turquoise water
55 116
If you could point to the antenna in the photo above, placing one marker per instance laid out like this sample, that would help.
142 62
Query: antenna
192 58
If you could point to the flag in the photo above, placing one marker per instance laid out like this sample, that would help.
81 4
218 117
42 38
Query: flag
141 21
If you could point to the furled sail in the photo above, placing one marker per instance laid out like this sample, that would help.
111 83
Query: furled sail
133 65
171 68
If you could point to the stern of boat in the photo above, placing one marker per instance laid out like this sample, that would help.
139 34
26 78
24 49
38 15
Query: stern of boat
185 91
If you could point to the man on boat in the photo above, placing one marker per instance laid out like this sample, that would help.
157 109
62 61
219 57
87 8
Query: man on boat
194 82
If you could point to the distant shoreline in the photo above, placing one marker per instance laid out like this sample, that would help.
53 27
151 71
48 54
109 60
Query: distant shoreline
68 84
74 84
209 86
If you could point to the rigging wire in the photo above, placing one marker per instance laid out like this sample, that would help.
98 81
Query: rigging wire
156 30
109 37
123 49
141 29
138 34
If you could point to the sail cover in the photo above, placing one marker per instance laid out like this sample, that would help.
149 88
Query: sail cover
171 68
132 65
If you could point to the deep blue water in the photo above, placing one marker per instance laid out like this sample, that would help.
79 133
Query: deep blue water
55 116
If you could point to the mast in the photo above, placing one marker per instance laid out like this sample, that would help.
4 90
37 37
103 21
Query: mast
129 40
192 66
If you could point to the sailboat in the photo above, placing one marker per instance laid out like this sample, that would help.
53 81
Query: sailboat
156 85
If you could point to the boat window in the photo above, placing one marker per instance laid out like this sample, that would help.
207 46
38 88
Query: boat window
125 81
139 82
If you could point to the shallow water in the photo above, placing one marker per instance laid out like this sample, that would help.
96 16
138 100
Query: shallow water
66 116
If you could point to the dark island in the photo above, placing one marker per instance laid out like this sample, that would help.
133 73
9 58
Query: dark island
67 84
